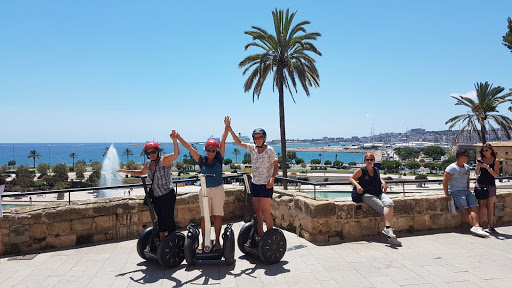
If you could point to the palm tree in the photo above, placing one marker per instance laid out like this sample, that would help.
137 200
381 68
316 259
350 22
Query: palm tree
127 152
483 112
236 152
285 54
320 156
33 154
73 155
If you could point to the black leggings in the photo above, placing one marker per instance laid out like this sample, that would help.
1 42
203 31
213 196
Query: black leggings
164 209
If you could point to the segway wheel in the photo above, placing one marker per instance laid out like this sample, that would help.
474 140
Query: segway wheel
190 250
243 236
229 247
272 246
142 242
170 250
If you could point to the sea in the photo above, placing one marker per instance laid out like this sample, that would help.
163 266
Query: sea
55 153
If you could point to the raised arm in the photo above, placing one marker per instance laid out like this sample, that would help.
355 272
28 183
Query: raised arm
223 140
169 158
189 147
237 140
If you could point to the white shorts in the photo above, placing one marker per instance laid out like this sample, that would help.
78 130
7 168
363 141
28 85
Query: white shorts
216 198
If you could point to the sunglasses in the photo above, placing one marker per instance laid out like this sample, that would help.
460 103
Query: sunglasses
151 152
211 150
257 137
486 150
369 160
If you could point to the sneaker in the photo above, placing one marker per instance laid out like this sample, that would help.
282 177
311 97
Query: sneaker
394 241
492 230
389 232
478 231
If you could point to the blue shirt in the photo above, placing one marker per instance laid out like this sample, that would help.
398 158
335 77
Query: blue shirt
460 175
215 167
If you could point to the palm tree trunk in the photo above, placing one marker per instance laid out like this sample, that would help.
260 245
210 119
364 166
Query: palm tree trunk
280 88
483 132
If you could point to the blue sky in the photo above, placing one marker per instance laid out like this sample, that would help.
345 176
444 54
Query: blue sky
131 71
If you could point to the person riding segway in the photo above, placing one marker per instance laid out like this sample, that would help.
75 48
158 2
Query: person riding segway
161 241
191 251
265 167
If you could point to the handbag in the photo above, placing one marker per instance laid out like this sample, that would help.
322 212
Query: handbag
481 193
356 197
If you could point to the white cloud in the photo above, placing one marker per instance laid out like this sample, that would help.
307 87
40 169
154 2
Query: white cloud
470 94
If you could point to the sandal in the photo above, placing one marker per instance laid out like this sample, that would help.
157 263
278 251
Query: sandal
217 247
200 248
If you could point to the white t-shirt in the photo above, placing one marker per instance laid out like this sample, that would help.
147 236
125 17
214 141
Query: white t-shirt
262 164
459 180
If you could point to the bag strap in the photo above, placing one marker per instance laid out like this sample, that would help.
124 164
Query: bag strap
154 173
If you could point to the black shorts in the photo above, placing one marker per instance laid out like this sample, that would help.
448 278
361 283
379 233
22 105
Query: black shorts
258 190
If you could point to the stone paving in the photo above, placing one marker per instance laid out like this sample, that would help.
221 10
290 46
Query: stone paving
452 258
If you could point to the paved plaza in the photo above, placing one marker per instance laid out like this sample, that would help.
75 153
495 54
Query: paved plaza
453 258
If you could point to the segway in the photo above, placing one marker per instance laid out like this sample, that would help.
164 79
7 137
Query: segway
271 247
191 252
168 251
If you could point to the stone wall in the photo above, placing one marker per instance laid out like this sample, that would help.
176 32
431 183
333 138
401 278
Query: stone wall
335 220
61 225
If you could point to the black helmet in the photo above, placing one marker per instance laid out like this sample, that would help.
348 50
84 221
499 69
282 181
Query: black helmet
260 131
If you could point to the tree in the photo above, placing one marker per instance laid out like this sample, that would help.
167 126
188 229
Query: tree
413 166
315 161
434 152
96 166
80 170
391 166
320 156
127 152
291 155
236 152
483 113
246 161
286 55
406 153
327 162
73 155
33 154
43 168
338 164
11 163
299 161
24 177
131 165
507 38
247 155
227 161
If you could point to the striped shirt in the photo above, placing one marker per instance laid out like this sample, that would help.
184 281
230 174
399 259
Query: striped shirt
161 179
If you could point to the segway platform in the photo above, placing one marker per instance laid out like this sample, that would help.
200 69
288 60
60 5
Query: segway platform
271 247
191 251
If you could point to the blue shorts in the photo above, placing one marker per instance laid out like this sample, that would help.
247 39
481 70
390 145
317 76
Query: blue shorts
258 190
463 199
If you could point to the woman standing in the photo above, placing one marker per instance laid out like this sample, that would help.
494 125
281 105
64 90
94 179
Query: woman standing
265 166
487 168
211 163
372 188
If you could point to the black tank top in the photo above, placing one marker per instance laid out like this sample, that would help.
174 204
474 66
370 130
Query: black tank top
486 177
370 184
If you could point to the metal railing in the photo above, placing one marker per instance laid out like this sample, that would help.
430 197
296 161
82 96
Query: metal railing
347 183
192 179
